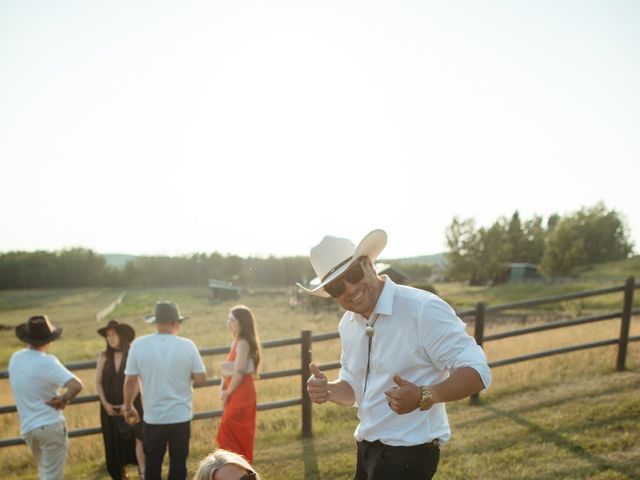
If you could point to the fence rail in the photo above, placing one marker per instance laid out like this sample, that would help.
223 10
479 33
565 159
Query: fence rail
306 341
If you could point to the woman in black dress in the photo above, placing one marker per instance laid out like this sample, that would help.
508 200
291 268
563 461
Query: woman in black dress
122 443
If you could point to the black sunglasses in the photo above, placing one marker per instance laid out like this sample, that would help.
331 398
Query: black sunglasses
353 275
248 476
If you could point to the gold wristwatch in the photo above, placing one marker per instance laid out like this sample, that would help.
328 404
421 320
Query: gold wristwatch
427 400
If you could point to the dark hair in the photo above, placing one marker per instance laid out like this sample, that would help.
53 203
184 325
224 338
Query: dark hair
248 330
124 348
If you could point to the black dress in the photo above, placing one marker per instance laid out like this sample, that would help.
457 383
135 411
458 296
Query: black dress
119 437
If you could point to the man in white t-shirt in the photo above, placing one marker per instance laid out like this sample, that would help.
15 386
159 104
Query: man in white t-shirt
168 366
35 378
404 353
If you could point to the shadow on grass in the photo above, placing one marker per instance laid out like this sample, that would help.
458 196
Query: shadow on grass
593 393
310 459
561 442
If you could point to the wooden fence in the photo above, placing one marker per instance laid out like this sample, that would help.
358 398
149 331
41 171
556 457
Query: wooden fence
479 314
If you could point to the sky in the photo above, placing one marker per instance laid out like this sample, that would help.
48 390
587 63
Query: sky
256 128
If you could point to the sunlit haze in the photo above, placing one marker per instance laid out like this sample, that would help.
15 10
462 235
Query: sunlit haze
257 127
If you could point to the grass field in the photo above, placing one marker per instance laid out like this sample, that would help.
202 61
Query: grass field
569 416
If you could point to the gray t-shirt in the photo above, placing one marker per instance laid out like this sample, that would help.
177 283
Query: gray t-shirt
165 363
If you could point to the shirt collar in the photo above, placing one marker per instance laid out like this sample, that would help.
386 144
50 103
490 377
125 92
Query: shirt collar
384 305
385 300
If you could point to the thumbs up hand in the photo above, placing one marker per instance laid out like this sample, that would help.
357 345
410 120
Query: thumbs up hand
317 385
404 397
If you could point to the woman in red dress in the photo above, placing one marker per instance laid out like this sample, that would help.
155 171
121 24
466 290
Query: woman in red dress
238 393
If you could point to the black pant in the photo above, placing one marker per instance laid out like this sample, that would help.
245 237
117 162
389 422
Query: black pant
377 461
155 439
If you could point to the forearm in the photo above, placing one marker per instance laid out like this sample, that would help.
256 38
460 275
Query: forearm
130 390
73 389
463 383
341 392
100 390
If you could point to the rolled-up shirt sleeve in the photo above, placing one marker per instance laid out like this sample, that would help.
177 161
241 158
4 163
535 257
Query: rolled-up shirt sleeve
448 345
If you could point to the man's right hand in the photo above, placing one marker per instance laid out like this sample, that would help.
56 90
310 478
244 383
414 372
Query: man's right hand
317 385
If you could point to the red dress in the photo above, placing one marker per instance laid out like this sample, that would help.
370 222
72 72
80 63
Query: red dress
237 428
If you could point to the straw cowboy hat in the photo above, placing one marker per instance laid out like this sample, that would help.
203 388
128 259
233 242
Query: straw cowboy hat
333 256
165 312
123 330
38 330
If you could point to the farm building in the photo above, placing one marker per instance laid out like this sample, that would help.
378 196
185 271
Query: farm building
220 290
520 272
395 274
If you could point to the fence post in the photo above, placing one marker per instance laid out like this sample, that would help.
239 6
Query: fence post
305 360
478 333
623 341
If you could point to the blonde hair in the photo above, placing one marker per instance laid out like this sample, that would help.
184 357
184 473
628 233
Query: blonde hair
217 459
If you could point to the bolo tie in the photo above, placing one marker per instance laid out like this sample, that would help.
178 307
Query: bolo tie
369 332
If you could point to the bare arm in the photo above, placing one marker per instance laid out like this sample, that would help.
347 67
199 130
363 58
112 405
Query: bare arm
102 358
199 379
130 391
240 366
463 382
321 390
73 386
341 392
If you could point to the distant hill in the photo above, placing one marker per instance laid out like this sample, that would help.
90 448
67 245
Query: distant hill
439 259
619 269
117 260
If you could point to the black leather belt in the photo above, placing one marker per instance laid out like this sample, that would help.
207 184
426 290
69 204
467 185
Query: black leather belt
379 444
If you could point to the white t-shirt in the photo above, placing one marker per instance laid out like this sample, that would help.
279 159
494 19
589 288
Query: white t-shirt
165 363
419 337
35 378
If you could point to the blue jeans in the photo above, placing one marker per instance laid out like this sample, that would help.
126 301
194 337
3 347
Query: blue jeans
156 438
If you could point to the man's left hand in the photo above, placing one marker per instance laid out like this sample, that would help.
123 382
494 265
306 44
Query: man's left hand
404 397
131 415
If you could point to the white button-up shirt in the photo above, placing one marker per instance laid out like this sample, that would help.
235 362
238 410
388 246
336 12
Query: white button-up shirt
419 337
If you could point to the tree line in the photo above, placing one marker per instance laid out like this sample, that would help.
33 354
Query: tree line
559 245
476 254
81 267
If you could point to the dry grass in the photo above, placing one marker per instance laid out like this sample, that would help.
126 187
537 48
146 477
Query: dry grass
278 429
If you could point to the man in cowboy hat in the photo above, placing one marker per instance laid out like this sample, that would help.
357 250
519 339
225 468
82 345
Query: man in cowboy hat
404 354
167 365
35 378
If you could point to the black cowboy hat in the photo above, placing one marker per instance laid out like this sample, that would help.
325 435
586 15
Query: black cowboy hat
165 312
38 330
124 330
